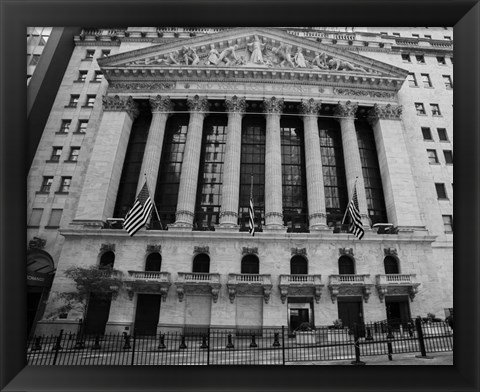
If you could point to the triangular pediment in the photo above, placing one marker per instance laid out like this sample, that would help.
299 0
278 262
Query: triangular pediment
252 52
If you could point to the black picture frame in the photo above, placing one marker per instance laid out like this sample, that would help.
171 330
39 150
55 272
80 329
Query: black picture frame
17 15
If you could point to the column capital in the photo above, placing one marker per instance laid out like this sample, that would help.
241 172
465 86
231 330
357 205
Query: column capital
236 104
385 112
198 104
161 104
273 105
120 104
310 107
346 109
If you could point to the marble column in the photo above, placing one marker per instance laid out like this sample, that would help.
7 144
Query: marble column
161 109
353 164
273 108
231 167
397 176
317 216
191 160
99 193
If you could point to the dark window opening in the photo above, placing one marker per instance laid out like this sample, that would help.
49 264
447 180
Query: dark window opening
107 260
201 263
298 265
153 262
346 266
391 265
250 265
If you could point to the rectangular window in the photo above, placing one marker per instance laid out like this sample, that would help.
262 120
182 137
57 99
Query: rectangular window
427 134
442 134
416 35
105 53
65 126
90 101
432 156
420 58
441 60
56 152
448 157
74 151
396 34
426 80
35 217
428 36
447 79
89 54
420 108
441 192
406 58
98 76
82 126
65 185
447 223
55 217
46 184
73 101
383 33
82 76
447 37
435 109
412 80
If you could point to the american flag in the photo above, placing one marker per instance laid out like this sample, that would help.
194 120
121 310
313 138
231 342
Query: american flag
251 218
139 214
356 226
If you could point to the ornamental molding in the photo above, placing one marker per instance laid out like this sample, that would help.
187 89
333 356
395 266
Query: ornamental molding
37 243
201 249
310 106
273 105
120 104
390 252
142 85
345 251
107 248
299 251
160 104
236 104
385 112
249 251
154 249
364 93
346 109
198 104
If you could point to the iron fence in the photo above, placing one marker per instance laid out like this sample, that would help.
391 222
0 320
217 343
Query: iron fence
241 346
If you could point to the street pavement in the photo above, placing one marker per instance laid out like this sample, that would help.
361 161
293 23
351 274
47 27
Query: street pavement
439 358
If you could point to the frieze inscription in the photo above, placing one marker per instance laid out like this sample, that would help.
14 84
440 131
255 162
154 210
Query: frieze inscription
363 93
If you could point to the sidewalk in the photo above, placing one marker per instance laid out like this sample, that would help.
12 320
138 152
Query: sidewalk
440 358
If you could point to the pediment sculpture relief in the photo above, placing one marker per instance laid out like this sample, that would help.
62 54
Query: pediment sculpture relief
257 53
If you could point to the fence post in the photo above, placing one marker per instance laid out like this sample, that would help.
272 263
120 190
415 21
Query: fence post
96 345
421 341
133 349
57 346
390 351
283 345
229 339
37 346
208 347
253 344
356 338
182 344
161 345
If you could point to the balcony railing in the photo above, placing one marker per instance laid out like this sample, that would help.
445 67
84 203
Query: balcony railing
397 284
197 283
152 282
249 284
350 284
303 284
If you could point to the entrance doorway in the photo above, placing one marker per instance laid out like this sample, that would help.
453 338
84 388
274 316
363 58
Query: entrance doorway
398 310
97 314
298 316
300 310
146 316
350 311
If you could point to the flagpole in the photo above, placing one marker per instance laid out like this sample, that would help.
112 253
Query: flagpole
153 202
346 210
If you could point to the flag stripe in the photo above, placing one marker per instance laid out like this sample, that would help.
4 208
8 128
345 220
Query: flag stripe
251 218
356 226
139 214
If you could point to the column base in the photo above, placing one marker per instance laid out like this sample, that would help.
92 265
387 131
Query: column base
274 228
319 227
180 226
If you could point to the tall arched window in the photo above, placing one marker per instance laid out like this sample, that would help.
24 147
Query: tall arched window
346 266
250 265
201 263
391 265
298 265
107 260
154 262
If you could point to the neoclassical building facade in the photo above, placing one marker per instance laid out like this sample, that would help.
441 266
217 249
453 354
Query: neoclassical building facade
297 118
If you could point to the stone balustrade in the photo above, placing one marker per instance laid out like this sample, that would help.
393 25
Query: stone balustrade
301 284
350 284
396 284
249 284
148 282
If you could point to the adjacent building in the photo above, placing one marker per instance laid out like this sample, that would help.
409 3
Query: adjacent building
296 119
